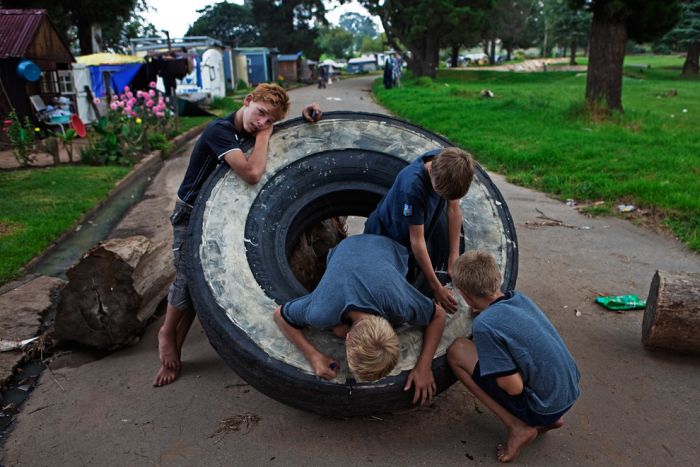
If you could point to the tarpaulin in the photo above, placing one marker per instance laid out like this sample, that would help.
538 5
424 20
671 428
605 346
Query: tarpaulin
120 76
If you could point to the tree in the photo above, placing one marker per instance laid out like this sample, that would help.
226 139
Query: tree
614 22
569 27
359 26
378 44
687 34
230 23
336 42
116 36
81 15
480 24
514 19
421 26
289 25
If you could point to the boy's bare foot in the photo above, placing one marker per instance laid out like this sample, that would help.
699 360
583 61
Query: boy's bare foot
558 424
165 376
517 439
167 350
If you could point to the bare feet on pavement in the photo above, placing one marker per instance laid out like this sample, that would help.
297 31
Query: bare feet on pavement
165 376
167 350
517 439
544 429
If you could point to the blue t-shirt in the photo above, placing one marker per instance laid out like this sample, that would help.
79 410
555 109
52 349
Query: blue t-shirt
514 334
364 273
411 200
218 138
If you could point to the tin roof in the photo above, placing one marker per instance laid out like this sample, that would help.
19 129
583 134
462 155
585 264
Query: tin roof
17 30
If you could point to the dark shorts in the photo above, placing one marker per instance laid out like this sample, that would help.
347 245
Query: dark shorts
517 405
179 294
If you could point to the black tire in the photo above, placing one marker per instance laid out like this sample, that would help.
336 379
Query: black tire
240 235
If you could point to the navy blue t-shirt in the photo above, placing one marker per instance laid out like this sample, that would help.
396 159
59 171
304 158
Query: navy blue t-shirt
218 138
514 334
411 200
364 273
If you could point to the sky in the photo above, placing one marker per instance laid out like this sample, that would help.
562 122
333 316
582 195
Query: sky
177 20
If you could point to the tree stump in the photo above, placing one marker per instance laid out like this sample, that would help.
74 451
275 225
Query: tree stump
113 290
672 316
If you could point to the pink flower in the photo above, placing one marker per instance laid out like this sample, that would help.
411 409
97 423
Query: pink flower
121 104
139 94
114 97
121 96
96 101
132 101
152 84
149 103
160 114
167 99
151 93
113 106
126 89
130 95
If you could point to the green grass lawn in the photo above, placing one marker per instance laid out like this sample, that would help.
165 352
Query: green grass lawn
38 205
536 132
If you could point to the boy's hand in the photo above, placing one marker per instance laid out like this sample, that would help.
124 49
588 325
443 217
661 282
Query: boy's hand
265 132
424 382
325 367
312 112
444 297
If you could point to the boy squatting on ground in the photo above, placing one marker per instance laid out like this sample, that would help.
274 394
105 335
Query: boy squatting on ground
362 295
517 364
412 208
220 143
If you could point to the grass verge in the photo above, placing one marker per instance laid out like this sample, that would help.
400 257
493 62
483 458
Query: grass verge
38 205
536 131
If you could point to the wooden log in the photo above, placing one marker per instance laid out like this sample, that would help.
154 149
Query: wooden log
113 290
672 316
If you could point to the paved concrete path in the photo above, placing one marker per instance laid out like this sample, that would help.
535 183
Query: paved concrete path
637 407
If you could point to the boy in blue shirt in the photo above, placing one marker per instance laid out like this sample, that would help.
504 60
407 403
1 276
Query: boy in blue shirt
414 204
363 296
517 364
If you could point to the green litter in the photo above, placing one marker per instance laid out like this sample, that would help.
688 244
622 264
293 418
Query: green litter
621 302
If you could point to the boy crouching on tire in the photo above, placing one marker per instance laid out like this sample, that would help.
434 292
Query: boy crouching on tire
517 364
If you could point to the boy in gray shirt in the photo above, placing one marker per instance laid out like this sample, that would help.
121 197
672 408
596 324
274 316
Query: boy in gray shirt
517 364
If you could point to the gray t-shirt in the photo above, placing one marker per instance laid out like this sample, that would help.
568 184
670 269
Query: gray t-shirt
514 334
364 273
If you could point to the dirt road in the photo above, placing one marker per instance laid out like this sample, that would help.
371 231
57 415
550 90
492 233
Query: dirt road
636 407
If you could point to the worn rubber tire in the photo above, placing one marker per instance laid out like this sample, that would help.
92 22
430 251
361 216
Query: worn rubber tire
240 234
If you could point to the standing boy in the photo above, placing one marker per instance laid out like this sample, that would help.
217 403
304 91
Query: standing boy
517 365
362 296
220 143
412 208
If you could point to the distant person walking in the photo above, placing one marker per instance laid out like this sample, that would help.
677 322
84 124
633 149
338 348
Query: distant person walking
322 77
397 64
388 74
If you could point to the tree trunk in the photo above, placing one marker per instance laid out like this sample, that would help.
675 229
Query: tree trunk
509 54
85 38
113 290
492 52
572 60
454 56
606 57
690 66
672 316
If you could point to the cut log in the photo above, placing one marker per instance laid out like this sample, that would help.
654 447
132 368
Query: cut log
113 290
672 316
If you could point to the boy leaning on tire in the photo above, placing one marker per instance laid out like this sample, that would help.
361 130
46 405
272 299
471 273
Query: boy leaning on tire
220 143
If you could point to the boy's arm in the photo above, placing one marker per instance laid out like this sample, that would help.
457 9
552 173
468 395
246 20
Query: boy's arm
324 367
251 169
422 373
454 224
420 251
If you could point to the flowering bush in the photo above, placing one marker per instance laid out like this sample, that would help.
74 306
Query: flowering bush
124 132
22 137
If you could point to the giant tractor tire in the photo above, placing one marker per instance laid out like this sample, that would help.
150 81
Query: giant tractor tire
240 238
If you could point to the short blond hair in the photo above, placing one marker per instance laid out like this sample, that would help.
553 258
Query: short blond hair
476 273
452 172
372 348
275 96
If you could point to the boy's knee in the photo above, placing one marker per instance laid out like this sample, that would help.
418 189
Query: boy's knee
457 351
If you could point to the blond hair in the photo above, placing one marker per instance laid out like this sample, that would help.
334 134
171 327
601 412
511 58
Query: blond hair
476 273
273 95
372 348
451 172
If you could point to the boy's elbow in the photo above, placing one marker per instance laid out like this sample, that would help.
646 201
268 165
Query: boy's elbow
251 176
440 314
